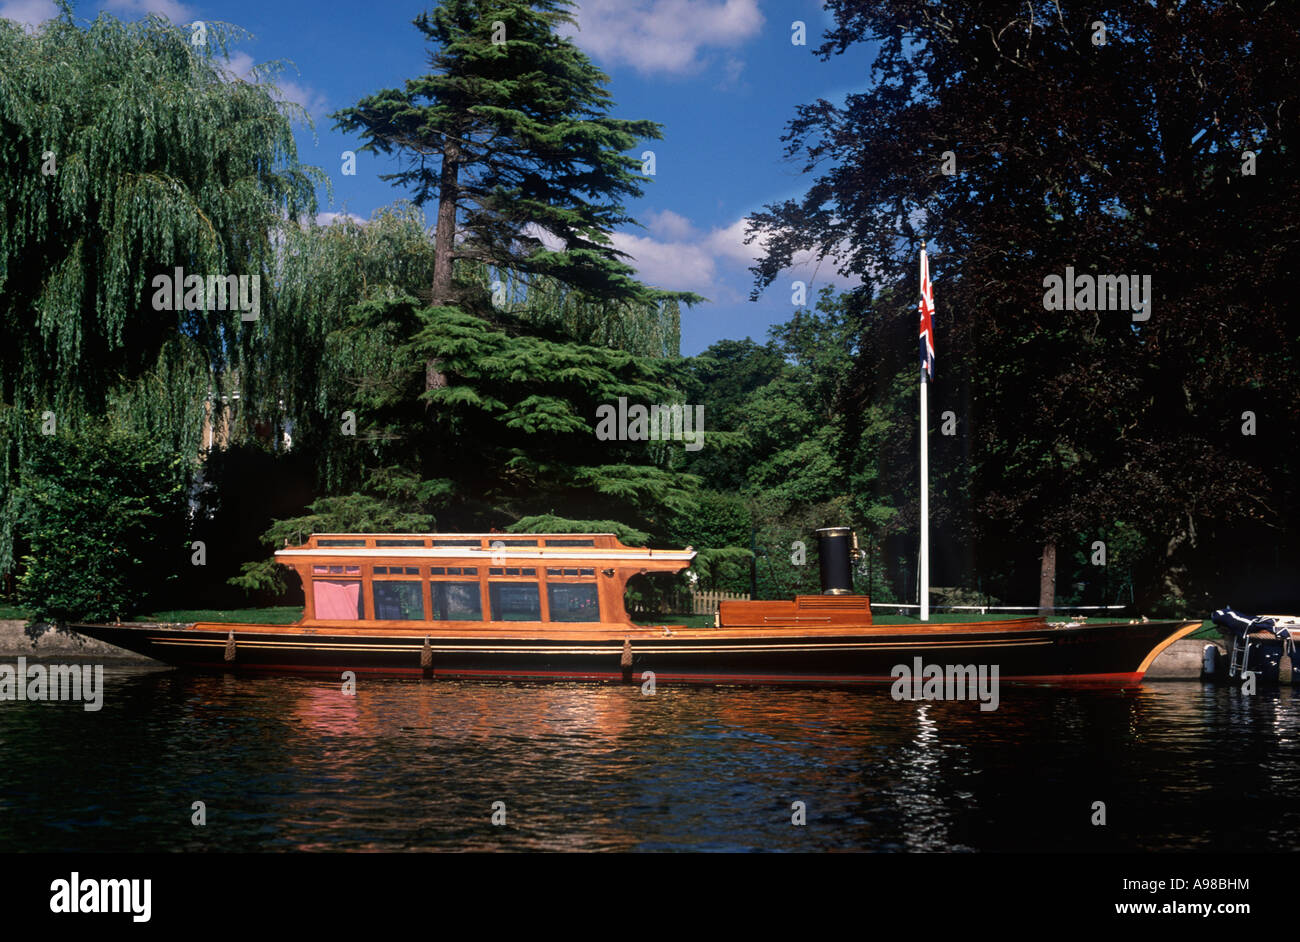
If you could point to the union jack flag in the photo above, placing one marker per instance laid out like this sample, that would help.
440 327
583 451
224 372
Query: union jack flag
926 307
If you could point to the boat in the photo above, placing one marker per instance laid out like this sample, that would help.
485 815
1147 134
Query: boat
551 606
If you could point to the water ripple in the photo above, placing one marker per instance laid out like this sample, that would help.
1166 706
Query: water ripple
291 764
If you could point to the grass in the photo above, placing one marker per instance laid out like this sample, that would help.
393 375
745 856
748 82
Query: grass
690 621
942 617
279 615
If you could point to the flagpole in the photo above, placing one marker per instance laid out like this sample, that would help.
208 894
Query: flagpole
925 503
925 479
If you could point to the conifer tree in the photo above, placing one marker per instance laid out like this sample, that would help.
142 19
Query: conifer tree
509 135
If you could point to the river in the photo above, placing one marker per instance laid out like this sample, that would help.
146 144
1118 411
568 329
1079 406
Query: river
294 764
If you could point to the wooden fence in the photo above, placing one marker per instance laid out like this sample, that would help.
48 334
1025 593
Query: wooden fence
689 603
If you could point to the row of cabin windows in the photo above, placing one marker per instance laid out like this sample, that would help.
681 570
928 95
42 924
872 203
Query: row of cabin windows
404 600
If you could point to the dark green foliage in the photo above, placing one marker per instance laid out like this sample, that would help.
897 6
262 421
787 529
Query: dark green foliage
104 516
784 402
801 452
724 378
126 154
718 528
529 406
1120 158
511 434
508 432
351 513
548 523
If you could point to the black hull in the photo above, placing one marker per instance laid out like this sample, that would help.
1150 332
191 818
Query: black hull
1108 654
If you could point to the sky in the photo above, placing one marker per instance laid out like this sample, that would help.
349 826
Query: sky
721 76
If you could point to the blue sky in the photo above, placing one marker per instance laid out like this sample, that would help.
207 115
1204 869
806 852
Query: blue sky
721 76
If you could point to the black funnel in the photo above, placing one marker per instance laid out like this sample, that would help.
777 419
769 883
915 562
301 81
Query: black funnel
836 547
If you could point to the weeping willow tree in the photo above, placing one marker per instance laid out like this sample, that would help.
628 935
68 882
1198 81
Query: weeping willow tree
315 361
128 154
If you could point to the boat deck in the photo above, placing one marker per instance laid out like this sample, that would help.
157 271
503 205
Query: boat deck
608 632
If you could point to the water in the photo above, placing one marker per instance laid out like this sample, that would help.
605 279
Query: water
289 763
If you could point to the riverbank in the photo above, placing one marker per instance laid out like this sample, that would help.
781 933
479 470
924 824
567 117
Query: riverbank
16 642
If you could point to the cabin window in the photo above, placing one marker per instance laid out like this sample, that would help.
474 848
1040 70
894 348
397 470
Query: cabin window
340 542
398 601
453 570
511 571
337 599
515 601
556 571
456 601
397 570
475 543
399 543
573 601
336 570
570 542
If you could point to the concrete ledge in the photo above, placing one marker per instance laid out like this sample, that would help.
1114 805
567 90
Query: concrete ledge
1182 660
15 641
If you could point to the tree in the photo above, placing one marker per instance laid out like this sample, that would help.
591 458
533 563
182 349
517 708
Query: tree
1115 153
471 399
510 437
725 377
104 514
510 136
800 452
128 154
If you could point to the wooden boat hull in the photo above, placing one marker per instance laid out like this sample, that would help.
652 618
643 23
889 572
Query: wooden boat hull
1111 654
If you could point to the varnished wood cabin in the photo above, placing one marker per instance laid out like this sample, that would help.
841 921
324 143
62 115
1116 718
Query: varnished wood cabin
464 580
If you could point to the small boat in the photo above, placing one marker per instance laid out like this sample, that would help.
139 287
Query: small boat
550 606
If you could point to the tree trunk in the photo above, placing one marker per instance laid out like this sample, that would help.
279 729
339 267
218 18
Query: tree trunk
444 244
1176 571
1047 579
444 236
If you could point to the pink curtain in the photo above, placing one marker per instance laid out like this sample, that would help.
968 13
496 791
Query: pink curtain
337 600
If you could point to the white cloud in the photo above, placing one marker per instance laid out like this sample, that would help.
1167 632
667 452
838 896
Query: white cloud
329 219
549 239
241 65
669 225
729 242
731 72
28 12
673 265
679 257
312 101
174 11
665 36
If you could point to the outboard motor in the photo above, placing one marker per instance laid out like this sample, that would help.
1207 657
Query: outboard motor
837 547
